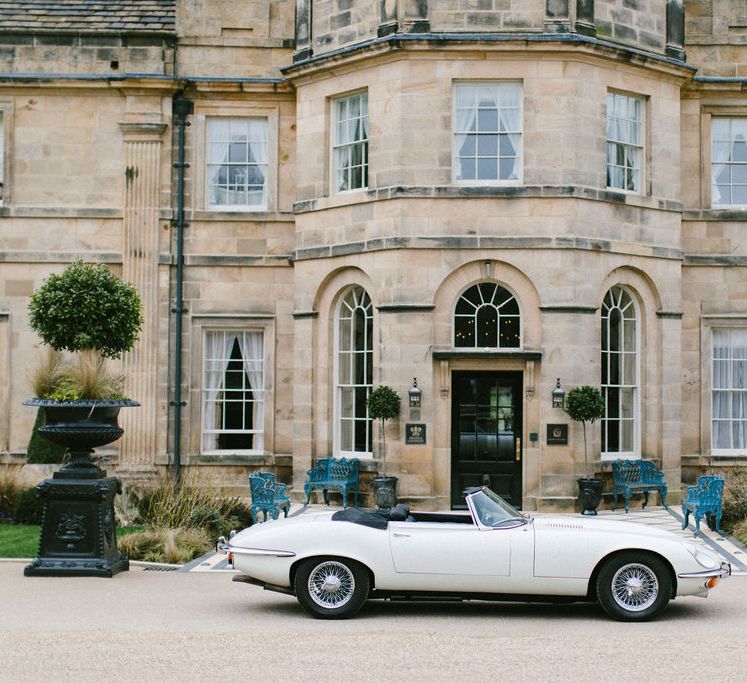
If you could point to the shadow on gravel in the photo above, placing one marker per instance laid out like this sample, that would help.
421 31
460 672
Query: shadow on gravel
379 609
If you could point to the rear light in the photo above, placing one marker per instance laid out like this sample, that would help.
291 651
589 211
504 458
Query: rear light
711 583
230 559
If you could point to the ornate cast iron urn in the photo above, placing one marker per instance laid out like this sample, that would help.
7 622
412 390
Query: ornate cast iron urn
78 528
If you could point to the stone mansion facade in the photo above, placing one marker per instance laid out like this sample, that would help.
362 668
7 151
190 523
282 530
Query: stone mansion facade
490 196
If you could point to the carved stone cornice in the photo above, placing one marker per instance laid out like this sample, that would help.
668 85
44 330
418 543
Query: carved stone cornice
145 131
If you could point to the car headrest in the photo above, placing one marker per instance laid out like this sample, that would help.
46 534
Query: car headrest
399 513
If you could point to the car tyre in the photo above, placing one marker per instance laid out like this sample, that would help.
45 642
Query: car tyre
331 587
634 586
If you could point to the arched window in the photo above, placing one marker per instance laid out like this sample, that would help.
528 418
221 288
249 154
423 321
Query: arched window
487 316
354 372
620 374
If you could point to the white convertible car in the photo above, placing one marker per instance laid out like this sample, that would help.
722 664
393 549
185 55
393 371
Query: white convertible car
334 561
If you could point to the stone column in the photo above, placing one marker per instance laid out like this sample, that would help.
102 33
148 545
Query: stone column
389 23
303 31
585 17
142 157
303 398
675 29
557 16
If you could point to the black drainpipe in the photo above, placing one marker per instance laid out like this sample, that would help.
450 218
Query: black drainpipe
181 109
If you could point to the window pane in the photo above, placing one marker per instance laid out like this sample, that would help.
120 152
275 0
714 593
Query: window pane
488 109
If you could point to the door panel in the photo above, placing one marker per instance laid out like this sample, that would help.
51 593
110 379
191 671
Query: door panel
486 445
450 549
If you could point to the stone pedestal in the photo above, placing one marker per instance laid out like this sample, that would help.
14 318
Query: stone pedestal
78 529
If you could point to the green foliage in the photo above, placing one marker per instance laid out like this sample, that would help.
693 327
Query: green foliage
28 507
173 546
9 490
190 505
383 403
584 404
740 531
86 307
735 498
40 451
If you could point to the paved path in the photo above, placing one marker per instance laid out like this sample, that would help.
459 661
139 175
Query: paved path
172 626
728 548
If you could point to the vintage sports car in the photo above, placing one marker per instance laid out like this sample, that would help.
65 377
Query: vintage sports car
334 561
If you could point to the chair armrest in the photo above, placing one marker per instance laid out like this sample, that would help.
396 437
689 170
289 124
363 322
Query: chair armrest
280 488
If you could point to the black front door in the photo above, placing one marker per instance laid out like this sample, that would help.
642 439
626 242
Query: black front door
486 434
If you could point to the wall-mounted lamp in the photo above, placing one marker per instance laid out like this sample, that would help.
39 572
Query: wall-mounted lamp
415 394
558 395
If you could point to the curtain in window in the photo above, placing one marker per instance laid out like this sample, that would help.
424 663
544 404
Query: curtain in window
466 108
217 354
729 391
510 122
252 354
257 161
720 154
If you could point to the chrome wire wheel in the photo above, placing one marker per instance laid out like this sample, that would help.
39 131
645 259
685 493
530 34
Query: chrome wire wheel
635 587
331 584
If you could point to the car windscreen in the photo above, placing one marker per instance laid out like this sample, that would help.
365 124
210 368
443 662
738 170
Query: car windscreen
493 511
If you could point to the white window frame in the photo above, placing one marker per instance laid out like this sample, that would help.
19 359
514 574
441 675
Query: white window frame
266 164
731 389
454 316
266 405
455 133
626 142
636 387
729 163
338 450
337 146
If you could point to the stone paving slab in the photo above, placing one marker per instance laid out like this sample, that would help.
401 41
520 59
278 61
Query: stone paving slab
728 548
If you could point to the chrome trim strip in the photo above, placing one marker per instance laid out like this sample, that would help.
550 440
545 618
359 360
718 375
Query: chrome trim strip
723 570
224 547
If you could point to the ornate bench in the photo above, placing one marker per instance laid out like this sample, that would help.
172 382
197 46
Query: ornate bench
336 474
637 476
268 495
705 499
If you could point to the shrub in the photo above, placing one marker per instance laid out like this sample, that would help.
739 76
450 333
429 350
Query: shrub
43 452
9 489
86 307
735 497
383 404
28 507
585 404
740 531
190 505
174 546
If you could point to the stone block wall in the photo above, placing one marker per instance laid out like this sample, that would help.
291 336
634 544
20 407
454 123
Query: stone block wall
86 54
487 15
225 39
633 22
336 23
716 35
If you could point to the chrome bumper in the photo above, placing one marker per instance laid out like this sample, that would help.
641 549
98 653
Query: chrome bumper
723 570
224 547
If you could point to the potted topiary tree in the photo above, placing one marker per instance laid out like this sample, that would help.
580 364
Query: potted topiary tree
90 314
586 404
384 404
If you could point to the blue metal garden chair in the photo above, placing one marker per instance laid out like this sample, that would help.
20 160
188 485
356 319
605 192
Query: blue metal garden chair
268 496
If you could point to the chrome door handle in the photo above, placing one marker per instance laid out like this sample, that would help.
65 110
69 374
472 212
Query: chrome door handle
398 535
518 448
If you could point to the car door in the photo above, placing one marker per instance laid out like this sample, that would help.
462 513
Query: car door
462 552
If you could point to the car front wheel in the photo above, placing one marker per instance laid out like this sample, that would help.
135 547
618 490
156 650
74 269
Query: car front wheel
634 587
331 588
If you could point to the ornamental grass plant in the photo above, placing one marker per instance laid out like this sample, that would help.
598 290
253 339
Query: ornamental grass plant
182 521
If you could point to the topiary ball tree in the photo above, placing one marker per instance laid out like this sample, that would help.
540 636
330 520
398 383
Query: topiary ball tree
585 404
86 307
383 404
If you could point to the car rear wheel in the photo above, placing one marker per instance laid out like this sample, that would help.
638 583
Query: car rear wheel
331 588
634 587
